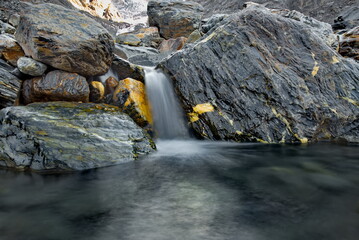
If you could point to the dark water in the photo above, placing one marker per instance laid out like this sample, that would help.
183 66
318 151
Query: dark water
191 190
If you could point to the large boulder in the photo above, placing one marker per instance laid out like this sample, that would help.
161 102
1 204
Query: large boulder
56 86
174 18
263 77
68 136
9 88
65 39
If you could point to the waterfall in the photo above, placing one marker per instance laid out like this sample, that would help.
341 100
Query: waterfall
169 122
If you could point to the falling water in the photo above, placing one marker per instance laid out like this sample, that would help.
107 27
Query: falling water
167 114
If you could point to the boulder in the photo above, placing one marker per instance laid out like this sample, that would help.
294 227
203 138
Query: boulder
60 136
349 44
56 86
148 37
128 39
111 84
9 88
97 91
144 56
31 67
172 45
174 18
130 96
10 49
263 77
125 69
78 44
194 36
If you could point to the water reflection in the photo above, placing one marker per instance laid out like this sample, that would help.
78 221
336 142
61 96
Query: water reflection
193 190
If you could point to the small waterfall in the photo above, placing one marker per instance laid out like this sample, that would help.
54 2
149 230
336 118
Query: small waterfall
167 114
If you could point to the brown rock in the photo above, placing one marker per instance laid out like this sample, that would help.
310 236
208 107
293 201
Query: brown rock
10 49
172 45
130 96
349 44
97 91
111 84
56 86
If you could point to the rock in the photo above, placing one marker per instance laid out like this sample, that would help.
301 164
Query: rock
31 67
62 136
349 44
97 91
6 66
110 85
130 96
174 18
14 20
10 49
172 45
147 37
263 77
78 44
125 69
211 22
194 36
9 88
56 86
7 28
347 19
144 56
128 39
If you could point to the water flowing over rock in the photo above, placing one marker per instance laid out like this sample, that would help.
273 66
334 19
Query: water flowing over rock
68 136
78 44
174 18
263 77
9 88
31 67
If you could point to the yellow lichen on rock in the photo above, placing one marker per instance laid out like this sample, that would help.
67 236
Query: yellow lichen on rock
335 60
203 108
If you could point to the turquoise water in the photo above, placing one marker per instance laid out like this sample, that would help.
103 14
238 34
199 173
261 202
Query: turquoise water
193 190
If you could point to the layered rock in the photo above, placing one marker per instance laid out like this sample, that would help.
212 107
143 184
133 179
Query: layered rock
263 77
10 49
349 44
174 18
31 67
9 88
56 86
145 56
125 69
78 44
68 136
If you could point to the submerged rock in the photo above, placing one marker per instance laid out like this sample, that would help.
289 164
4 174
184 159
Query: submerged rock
174 18
9 88
65 39
263 77
31 67
68 136
56 86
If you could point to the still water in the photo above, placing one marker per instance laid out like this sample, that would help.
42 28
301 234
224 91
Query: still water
193 190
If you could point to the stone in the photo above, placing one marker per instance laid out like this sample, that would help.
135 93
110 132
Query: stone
144 56
347 19
263 77
147 37
6 66
125 69
130 96
174 18
31 67
10 49
9 88
56 86
194 36
172 45
14 20
78 44
97 91
62 136
7 28
349 44
211 22
128 39
111 84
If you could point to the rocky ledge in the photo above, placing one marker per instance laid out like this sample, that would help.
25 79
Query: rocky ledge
68 136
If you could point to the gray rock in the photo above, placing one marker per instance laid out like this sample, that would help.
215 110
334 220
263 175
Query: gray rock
10 50
31 67
144 56
9 88
7 28
68 136
194 36
174 18
268 78
14 20
209 23
78 44
125 69
128 39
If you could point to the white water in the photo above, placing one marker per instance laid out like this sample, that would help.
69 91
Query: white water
167 114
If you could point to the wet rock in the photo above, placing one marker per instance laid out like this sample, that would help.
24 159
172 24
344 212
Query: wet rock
97 91
211 22
349 44
194 36
10 49
125 69
263 77
9 88
78 44
62 136
56 86
147 37
130 96
31 67
144 56
172 45
174 18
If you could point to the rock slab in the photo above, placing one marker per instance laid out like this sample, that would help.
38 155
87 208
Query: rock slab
61 136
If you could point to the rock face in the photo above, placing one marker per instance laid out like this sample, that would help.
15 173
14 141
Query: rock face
10 49
349 44
174 18
9 88
56 86
68 136
78 44
263 77
31 67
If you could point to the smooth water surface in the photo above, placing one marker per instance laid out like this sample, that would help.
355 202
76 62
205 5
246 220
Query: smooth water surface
193 190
